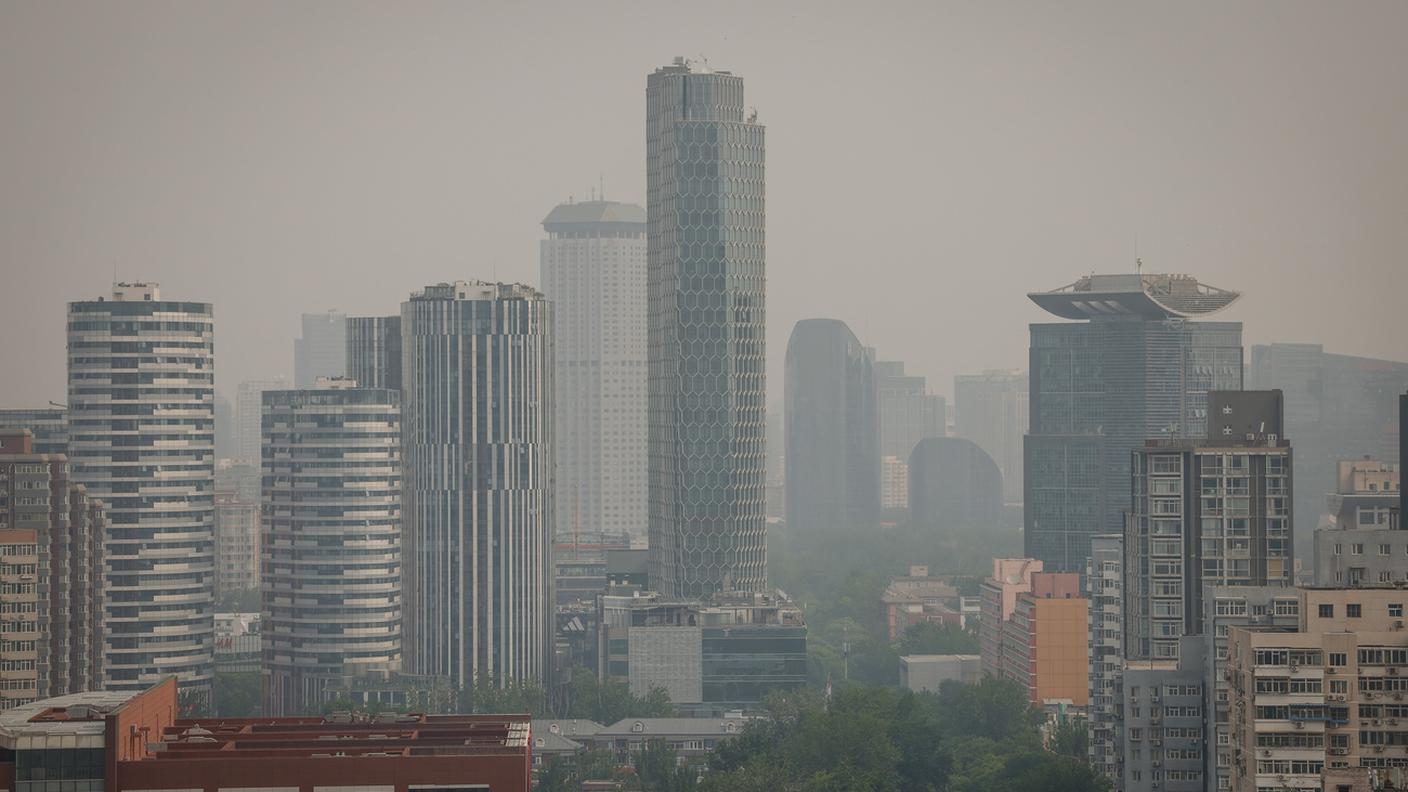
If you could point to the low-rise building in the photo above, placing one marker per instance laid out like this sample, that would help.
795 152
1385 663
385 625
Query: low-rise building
1010 577
929 672
917 598
692 738
723 654
126 741
1044 642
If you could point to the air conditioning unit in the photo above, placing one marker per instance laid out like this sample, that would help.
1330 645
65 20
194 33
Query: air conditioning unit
1378 749
1368 695
1331 670
1393 721
1294 668
1300 724
1265 753
1157 763
1393 670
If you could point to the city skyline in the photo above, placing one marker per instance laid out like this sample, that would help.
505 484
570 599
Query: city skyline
1043 178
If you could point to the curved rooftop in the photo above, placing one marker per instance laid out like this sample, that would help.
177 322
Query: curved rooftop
594 215
1135 295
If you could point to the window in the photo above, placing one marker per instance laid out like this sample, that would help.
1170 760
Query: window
1327 611
1395 610
1356 548
1339 659
1353 610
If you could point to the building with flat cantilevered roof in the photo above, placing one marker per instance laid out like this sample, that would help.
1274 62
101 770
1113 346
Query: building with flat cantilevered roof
1134 366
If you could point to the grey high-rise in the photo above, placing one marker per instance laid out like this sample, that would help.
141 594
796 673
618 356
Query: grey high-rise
141 376
593 271
48 425
477 404
955 489
331 554
1137 368
833 433
992 411
374 351
705 292
322 349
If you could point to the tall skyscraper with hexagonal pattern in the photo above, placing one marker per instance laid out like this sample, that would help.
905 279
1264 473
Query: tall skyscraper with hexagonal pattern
705 243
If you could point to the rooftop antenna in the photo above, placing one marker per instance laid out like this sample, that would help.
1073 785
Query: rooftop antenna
601 186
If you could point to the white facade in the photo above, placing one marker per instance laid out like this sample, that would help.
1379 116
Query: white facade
141 375
593 270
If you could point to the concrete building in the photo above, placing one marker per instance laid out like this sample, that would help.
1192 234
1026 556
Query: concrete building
593 269
242 478
693 739
1338 407
331 555
1327 697
1044 641
47 425
237 645
955 489
917 598
477 404
1104 588
322 349
1363 543
833 471
991 409
726 653
1257 608
51 564
1163 722
929 672
123 741
374 351
908 411
1214 512
1136 366
236 544
249 416
141 375
706 303
1010 577
894 485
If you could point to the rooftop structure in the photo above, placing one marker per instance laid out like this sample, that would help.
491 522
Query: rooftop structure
1137 295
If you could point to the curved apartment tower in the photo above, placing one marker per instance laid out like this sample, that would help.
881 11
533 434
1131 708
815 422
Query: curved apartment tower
141 375
833 433
477 393
331 550
705 292
593 271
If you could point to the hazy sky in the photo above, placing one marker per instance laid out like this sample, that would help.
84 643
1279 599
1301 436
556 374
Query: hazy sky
928 163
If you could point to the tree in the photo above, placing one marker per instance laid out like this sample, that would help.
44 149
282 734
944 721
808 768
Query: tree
609 701
658 769
929 638
237 695
1070 738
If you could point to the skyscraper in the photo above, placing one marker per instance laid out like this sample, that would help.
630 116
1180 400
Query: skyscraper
374 351
1138 368
248 416
322 350
908 413
992 411
1236 531
332 549
833 433
707 435
141 375
593 271
477 443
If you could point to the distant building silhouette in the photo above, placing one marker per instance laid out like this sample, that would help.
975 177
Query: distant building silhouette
954 488
991 410
833 471
322 349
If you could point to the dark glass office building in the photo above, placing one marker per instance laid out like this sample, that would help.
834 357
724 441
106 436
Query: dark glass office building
832 432
1134 366
374 351
705 328
955 488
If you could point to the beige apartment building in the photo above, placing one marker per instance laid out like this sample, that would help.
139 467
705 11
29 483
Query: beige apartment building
1332 696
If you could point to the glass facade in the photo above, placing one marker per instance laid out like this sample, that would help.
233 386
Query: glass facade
1099 389
331 549
705 295
374 351
141 397
833 442
477 439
